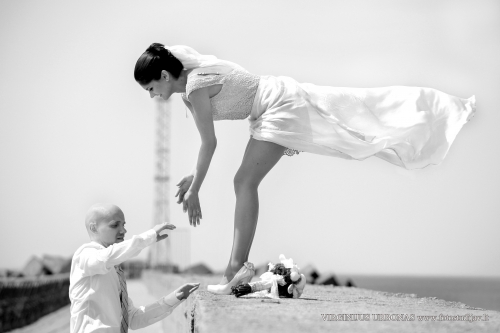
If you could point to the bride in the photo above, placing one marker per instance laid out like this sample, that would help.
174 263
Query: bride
410 127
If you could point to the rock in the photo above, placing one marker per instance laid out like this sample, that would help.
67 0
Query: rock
199 269
311 273
328 279
35 267
349 283
56 264
10 273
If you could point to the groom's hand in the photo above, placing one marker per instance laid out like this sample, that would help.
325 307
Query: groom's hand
184 291
160 227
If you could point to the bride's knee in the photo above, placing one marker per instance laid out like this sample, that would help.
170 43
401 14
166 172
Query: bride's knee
244 181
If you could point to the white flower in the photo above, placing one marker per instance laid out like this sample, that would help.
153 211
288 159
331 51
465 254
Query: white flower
288 263
271 266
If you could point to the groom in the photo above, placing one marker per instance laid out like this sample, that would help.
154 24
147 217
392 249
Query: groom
98 290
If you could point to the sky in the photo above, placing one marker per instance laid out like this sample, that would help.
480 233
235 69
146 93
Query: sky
76 129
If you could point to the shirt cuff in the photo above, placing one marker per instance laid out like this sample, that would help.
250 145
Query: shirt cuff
149 236
171 300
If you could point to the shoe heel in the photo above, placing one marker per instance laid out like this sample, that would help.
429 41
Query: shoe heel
244 275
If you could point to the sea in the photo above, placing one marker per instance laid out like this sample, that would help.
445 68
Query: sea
480 292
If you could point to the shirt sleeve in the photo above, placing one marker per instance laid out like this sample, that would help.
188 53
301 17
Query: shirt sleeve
143 316
99 261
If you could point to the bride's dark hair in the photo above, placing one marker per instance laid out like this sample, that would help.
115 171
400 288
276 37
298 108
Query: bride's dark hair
155 59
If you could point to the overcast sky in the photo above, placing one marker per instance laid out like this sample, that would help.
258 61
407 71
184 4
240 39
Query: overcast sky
75 129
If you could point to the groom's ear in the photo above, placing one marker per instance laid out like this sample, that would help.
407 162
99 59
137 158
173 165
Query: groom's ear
93 227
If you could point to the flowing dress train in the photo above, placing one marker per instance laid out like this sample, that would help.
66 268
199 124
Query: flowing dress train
411 127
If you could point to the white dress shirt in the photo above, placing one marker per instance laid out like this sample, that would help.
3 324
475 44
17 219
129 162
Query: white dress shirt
94 288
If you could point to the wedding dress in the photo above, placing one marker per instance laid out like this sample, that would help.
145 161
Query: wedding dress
411 127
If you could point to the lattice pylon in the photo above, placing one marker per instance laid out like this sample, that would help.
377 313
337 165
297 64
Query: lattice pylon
160 253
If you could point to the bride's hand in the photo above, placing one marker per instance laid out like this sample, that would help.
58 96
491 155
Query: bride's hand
184 184
191 204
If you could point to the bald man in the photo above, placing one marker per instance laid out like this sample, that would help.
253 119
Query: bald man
98 290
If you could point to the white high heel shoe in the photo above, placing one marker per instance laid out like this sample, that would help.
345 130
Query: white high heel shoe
244 275
246 280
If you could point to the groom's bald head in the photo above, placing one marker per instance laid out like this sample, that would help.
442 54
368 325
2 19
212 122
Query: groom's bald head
99 213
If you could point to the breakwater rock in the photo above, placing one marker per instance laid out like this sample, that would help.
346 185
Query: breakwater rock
320 309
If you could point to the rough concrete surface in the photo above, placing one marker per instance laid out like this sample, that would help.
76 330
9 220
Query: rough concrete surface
317 310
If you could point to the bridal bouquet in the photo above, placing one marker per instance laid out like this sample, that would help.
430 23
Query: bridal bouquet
282 279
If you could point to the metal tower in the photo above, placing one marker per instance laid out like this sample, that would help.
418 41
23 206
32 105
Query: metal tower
160 253
174 252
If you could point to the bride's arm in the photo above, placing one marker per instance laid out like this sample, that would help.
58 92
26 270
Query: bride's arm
202 114
185 183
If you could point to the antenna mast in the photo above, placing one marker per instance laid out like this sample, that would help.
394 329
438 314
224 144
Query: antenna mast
160 252
173 253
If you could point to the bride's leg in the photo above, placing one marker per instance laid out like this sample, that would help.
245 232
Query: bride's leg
260 157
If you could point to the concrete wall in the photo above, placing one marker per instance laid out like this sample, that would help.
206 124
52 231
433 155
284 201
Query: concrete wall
160 284
320 309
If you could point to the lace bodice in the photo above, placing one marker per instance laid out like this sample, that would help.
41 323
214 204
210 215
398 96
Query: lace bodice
235 99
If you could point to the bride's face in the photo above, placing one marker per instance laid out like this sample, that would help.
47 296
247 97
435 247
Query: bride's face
162 87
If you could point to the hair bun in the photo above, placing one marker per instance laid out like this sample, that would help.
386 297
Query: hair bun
156 49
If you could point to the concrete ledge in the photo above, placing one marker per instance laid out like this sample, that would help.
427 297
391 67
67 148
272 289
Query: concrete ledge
321 309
